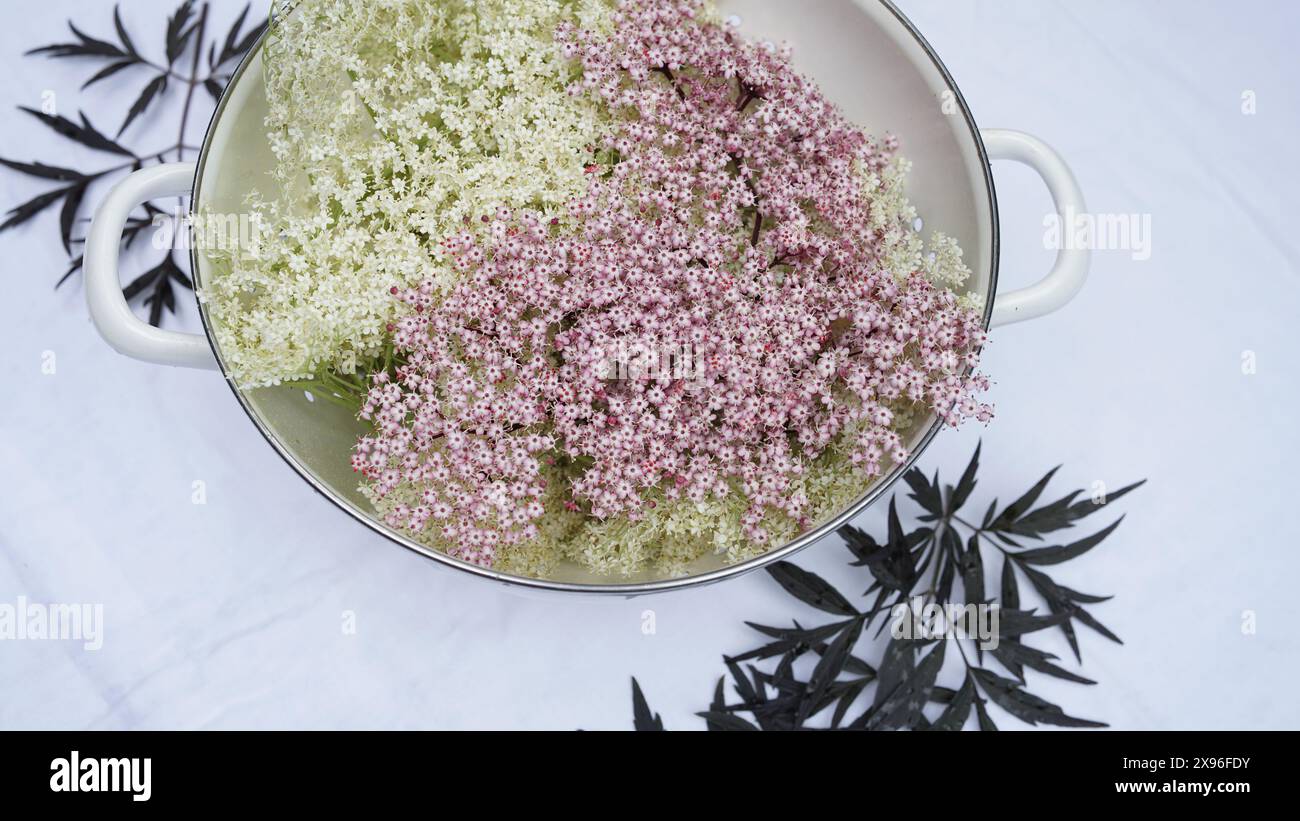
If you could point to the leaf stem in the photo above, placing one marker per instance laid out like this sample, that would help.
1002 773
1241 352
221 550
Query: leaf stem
193 81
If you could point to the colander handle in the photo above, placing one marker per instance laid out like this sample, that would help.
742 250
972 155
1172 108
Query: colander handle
1071 269
121 328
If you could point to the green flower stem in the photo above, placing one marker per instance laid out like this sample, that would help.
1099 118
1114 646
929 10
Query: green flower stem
330 391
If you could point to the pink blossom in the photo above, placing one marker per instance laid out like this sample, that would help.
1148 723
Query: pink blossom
722 217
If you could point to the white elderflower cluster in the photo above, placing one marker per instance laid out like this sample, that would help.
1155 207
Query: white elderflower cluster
393 122
396 124
893 219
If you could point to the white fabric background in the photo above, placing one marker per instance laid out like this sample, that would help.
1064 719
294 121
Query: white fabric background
229 615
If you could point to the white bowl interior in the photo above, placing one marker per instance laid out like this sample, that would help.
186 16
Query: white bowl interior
864 57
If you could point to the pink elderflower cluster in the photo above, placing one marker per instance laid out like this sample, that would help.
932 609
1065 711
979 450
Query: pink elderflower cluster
724 218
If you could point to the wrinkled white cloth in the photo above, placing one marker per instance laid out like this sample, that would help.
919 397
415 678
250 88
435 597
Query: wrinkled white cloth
237 613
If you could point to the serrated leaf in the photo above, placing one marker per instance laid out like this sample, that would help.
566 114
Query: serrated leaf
643 719
719 702
1004 538
156 86
1124 491
901 706
250 39
1087 507
1063 513
946 578
172 271
122 35
137 285
181 277
896 666
234 46
783 677
1064 553
852 690
927 557
57 50
157 281
955 714
972 570
811 589
101 46
924 493
1010 696
1010 591
85 47
1008 659
108 71
798 633
986 724
950 541
726 721
83 133
133 230
73 267
907 681
893 564
178 36
32 207
744 687
45 172
1048 589
162 298
233 35
1045 519
774 649
942 695
896 539
1088 619
1013 623
831 665
1059 601
68 217
1083 598
1021 505
1067 628
853 664
1015 656
859 543
967 482
795 640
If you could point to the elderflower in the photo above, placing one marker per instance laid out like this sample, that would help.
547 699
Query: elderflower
731 210
392 123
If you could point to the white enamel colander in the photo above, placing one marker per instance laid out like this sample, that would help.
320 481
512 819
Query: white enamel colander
867 57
